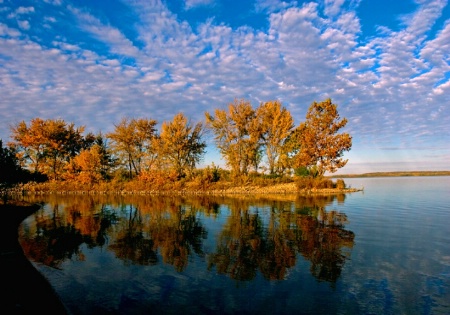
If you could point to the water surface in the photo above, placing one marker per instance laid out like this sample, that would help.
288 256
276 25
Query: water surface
381 251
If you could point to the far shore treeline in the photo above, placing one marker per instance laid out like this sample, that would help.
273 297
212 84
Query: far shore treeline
259 145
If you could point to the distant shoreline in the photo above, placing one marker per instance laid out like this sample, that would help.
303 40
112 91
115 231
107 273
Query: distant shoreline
394 174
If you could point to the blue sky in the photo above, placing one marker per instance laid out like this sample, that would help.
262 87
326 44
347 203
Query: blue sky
386 64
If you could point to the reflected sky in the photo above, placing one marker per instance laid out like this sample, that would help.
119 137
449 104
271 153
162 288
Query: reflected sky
383 250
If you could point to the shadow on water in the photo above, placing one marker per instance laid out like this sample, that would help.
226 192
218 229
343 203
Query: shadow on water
24 289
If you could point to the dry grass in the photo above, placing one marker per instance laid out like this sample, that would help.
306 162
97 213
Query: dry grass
180 188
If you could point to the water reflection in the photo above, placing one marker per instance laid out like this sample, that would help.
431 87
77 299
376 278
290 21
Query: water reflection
246 244
261 235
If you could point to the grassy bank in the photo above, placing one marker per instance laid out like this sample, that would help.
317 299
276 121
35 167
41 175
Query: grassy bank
250 187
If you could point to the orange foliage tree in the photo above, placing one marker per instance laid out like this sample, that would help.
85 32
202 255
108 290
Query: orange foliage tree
132 142
321 146
276 124
46 146
181 145
237 135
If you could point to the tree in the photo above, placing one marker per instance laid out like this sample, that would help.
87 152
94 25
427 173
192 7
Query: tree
11 173
10 170
29 143
320 144
107 162
47 145
132 142
276 124
86 167
181 145
236 135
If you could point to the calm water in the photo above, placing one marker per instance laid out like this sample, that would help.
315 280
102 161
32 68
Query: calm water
385 250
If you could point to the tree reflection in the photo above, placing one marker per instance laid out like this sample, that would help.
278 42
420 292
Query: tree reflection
265 236
247 245
322 238
54 240
130 243
177 236
239 246
58 236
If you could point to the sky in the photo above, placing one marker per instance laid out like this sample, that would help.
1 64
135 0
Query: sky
384 63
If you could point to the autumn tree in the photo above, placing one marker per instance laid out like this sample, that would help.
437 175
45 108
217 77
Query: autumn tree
275 123
181 144
29 143
131 142
320 145
92 164
86 166
236 135
46 146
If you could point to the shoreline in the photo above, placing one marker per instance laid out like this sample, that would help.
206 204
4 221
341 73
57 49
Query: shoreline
393 174
26 290
277 189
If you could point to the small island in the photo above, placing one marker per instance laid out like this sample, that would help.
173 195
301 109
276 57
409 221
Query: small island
264 153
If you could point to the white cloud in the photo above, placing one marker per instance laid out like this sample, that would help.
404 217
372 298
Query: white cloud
443 89
54 2
50 19
8 32
272 5
24 24
333 7
25 10
189 4
392 86
118 43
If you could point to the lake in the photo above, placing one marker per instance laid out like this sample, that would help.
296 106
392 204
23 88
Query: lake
384 250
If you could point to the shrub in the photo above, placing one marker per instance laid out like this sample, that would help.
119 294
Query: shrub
313 183
304 183
321 183
301 172
340 184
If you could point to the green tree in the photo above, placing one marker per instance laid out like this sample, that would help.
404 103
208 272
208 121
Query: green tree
9 166
11 173
181 144
320 144
107 161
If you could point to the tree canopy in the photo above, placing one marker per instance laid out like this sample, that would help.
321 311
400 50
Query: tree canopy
250 139
181 144
132 141
275 123
236 135
321 146
47 145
